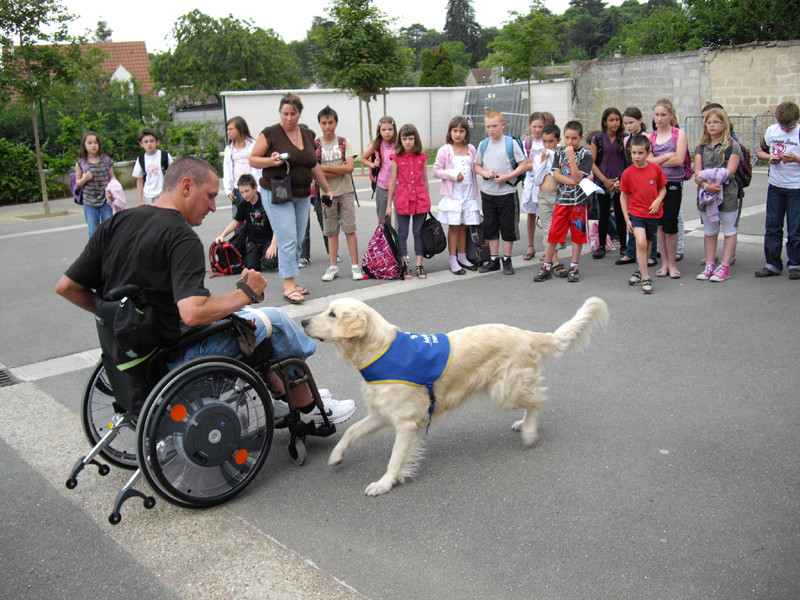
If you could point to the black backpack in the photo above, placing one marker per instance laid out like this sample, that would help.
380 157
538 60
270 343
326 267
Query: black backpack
225 259
164 163
434 240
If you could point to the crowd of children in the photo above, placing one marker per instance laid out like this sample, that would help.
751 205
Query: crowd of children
640 176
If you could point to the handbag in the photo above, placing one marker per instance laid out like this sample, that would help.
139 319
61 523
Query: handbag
281 187
434 240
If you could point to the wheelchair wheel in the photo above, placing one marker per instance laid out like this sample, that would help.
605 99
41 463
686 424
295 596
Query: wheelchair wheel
97 412
205 431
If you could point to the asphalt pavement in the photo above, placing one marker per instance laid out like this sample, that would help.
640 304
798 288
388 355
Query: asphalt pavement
668 463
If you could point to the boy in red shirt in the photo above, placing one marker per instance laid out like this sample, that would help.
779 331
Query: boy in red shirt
642 189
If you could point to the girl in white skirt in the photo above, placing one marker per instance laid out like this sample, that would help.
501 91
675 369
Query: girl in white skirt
458 207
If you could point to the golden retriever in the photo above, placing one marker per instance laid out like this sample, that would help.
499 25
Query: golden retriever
495 360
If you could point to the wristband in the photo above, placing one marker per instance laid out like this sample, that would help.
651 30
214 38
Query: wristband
242 285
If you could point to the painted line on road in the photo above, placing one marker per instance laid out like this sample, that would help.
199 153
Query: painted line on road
10 236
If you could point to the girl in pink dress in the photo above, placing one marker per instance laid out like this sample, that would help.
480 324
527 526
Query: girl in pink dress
408 190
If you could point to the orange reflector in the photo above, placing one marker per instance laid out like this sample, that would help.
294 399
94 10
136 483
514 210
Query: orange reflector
178 413
241 456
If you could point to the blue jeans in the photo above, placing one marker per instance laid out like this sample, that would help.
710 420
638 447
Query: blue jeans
782 203
95 216
288 339
289 222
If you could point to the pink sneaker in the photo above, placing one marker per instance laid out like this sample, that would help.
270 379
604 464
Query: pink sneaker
721 273
707 273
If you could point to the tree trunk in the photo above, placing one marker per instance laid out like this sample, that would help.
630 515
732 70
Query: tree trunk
39 166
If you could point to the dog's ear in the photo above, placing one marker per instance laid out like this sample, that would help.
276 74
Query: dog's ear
349 324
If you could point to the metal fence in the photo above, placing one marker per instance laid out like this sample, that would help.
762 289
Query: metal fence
749 130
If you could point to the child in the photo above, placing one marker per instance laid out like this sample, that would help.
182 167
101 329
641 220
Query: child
608 153
458 206
377 159
571 164
93 172
236 158
781 147
715 162
498 193
533 148
408 190
260 240
150 166
668 150
642 190
633 122
338 167
544 186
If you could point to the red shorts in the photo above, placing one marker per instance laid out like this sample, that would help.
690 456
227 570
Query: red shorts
569 218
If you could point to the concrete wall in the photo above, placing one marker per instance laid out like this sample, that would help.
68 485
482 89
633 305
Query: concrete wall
750 79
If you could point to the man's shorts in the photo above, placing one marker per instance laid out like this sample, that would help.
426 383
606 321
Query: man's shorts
501 216
569 218
650 226
342 210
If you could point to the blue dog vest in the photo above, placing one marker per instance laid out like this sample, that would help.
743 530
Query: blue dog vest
412 358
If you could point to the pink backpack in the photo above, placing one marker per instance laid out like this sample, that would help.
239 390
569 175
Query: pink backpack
382 259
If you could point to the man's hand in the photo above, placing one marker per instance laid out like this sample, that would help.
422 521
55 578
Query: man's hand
255 280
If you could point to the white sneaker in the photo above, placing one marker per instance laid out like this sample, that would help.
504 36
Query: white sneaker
280 409
331 274
338 411
302 263
358 274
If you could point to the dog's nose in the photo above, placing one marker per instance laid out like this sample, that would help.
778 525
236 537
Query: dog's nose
305 322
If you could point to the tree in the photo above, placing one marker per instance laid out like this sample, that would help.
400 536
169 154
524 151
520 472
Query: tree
38 55
212 55
437 68
665 29
358 52
103 32
524 43
726 22
460 25
461 60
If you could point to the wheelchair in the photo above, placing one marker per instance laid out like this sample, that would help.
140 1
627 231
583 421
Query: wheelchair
199 433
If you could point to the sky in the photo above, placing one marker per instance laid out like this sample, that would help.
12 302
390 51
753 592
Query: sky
152 20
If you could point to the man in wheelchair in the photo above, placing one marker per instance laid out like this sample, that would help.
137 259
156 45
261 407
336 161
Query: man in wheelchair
155 248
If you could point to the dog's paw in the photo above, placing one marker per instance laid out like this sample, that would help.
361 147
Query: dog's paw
529 437
378 487
517 426
336 457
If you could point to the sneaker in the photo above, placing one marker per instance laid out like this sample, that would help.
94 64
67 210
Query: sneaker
358 274
707 273
337 411
636 278
302 263
794 273
721 273
573 276
543 274
492 265
331 274
507 268
647 285
280 408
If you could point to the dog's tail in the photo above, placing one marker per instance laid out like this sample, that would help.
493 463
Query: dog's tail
574 334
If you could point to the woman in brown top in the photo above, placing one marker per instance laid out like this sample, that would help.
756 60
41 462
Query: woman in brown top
289 219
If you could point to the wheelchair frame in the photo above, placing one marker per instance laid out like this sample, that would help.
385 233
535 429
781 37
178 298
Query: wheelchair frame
205 428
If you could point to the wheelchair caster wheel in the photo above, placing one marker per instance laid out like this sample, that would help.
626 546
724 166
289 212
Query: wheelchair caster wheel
104 470
71 483
298 452
114 518
149 502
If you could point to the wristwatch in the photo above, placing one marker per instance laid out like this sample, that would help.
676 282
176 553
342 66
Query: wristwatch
254 298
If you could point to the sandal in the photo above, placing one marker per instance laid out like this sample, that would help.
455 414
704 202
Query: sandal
421 272
559 270
636 278
294 297
647 285
530 253
302 290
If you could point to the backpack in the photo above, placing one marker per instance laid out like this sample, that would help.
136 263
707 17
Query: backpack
77 190
224 259
434 240
688 172
164 163
477 249
598 143
510 141
382 259
744 172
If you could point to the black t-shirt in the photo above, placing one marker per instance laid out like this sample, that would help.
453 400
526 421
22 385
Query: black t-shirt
154 248
257 226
